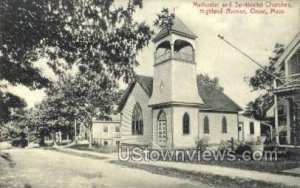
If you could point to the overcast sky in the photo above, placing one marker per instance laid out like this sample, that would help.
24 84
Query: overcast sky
254 34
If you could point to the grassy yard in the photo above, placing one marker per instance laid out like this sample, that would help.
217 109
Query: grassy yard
286 161
98 149
209 179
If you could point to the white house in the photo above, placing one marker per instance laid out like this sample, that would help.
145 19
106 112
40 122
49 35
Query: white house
107 132
287 95
174 108
249 129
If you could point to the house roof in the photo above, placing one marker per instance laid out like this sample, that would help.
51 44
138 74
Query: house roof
214 99
178 27
288 50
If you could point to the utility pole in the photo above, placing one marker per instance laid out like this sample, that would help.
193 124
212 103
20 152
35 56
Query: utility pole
253 60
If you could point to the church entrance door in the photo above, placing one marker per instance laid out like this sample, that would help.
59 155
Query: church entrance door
162 128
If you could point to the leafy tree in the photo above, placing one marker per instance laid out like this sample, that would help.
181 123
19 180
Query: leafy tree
165 19
83 96
263 80
95 35
90 96
206 80
9 104
92 34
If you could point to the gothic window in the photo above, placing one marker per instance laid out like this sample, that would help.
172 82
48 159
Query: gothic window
206 125
137 121
186 124
162 116
224 125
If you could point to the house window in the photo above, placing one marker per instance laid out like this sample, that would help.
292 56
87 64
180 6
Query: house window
281 110
294 64
186 124
224 125
137 120
117 129
105 129
206 125
251 128
105 143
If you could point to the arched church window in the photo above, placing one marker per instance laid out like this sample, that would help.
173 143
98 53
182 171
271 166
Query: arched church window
137 120
224 125
186 124
206 125
162 116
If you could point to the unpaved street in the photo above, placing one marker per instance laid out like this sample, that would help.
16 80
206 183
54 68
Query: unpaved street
40 168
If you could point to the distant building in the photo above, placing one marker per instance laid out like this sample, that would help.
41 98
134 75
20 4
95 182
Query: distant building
107 132
172 108
250 129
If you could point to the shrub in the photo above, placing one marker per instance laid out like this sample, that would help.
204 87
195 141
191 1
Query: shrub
19 142
242 148
202 144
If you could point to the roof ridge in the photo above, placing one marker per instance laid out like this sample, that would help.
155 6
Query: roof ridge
178 27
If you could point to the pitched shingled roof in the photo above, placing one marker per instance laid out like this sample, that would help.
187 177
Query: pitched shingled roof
214 99
178 27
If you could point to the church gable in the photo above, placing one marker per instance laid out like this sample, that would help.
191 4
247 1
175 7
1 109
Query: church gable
136 118
144 81
214 100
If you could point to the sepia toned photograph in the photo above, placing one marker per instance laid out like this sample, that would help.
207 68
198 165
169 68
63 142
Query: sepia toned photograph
148 93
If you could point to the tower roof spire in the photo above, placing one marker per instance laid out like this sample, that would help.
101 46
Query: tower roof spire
179 28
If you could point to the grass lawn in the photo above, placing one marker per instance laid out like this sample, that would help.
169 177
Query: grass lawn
212 180
99 149
286 161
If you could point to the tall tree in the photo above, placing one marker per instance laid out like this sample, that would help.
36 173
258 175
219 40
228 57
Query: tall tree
263 80
213 82
81 97
96 35
9 104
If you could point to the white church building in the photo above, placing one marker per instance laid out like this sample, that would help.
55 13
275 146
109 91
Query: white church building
174 108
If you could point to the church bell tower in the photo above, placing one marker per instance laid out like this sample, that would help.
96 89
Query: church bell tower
175 77
175 99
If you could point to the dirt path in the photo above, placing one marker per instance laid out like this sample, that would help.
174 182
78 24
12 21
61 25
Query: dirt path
46 169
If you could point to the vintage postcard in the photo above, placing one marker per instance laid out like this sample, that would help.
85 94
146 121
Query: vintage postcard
147 93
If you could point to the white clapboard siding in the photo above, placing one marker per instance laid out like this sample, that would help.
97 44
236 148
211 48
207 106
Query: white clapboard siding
98 129
138 95
215 134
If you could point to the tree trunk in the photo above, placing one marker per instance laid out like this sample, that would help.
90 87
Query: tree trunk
90 136
54 138
59 137
75 132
